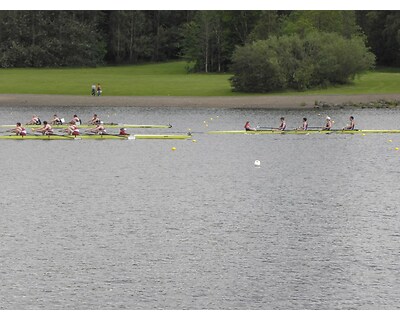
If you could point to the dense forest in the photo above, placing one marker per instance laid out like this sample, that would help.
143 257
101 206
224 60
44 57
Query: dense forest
207 38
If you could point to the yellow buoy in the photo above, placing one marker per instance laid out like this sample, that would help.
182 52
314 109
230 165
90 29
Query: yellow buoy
396 148
390 140
194 140
363 134
173 149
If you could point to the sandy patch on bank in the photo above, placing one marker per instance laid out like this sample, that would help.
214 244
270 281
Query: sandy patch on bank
270 102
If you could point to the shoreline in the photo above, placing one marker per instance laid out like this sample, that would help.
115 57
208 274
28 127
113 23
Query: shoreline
266 102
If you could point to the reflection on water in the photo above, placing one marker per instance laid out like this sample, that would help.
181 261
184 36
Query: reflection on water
135 225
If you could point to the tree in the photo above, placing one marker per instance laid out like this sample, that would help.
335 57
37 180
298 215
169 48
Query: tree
204 42
382 33
303 22
49 38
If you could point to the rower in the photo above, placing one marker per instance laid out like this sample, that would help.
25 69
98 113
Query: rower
99 129
19 130
122 132
304 125
247 127
351 125
95 119
282 125
73 129
56 120
35 120
76 120
328 124
46 129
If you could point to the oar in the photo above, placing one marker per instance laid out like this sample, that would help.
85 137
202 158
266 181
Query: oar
265 128
115 135
60 135
9 130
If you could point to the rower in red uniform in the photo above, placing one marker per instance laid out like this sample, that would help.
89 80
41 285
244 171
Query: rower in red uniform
19 130
282 125
73 129
46 129
351 125
122 132
247 127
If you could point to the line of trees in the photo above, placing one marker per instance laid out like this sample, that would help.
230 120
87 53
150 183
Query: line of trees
206 38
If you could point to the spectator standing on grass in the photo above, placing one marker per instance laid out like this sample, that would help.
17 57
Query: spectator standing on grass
99 91
93 90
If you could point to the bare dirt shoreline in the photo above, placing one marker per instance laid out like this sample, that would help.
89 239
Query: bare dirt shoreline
268 102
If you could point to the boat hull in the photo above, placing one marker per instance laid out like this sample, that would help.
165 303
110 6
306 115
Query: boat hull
96 137
108 125
62 137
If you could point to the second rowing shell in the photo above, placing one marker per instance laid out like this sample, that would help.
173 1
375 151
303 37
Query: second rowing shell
305 131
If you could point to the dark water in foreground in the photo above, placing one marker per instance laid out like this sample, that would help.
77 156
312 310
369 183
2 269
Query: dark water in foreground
134 225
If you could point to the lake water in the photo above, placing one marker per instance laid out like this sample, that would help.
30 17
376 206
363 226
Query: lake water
134 225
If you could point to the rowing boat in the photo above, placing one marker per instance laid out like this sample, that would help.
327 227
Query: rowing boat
64 137
304 131
108 125
95 137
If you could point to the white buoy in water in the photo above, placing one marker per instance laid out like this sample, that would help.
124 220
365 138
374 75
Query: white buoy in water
257 163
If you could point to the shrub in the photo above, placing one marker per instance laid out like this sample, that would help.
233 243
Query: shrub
318 59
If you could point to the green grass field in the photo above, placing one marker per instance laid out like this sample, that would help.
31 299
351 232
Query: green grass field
163 79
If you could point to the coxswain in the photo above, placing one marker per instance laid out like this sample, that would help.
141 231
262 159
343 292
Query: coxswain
46 129
122 132
328 124
35 120
95 119
19 130
73 129
282 125
304 125
76 120
99 129
247 127
351 125
56 120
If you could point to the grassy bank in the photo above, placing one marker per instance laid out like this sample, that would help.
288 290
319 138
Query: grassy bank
164 79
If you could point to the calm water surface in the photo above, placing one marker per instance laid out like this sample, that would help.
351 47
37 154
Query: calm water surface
135 225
